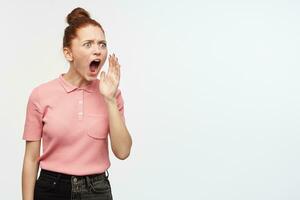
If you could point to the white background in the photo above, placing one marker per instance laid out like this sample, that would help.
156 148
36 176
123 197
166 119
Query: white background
211 91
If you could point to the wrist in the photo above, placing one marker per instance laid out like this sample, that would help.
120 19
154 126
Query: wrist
110 101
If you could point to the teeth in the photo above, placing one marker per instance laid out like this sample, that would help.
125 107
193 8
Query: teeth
97 60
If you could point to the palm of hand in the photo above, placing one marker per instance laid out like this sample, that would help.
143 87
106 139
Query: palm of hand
109 82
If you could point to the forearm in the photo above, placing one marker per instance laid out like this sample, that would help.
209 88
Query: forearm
120 138
29 175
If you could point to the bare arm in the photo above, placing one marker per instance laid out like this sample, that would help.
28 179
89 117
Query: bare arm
120 138
30 168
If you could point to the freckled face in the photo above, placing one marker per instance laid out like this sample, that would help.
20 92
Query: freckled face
89 52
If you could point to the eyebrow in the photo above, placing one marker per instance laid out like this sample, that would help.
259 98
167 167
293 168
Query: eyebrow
101 41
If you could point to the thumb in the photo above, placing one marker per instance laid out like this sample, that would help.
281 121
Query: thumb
102 75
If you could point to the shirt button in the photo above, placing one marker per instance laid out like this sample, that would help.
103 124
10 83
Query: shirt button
75 180
80 102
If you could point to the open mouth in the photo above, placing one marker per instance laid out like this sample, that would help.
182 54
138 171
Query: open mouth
94 65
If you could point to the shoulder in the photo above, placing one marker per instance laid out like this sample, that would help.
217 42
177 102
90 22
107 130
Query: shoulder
43 89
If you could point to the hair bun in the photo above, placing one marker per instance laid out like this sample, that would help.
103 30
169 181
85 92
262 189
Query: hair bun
75 14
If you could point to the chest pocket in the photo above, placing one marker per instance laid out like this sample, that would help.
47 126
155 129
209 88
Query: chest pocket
97 126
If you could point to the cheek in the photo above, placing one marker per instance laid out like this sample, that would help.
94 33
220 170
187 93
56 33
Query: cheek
80 59
79 55
104 55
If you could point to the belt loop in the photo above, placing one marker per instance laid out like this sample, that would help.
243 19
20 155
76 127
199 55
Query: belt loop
56 180
58 177
107 174
88 181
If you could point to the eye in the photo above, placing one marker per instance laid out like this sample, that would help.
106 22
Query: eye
88 44
102 44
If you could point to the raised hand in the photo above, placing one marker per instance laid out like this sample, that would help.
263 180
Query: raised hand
109 82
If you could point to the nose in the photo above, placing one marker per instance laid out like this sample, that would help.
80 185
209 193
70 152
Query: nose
97 50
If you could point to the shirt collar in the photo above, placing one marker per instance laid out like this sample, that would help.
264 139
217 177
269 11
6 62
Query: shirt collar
69 87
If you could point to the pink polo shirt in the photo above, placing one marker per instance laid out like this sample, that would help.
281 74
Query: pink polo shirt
73 125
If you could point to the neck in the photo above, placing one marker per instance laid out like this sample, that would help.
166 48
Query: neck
74 78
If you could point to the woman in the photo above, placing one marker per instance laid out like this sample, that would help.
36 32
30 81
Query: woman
73 116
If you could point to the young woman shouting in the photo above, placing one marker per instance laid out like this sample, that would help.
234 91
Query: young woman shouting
72 116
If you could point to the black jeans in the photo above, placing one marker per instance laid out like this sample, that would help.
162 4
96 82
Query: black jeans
58 186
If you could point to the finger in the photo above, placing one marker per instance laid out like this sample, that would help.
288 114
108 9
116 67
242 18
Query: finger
113 59
116 63
113 69
118 69
118 75
110 65
110 59
117 60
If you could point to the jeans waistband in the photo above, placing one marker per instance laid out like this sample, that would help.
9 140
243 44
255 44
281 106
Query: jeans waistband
67 177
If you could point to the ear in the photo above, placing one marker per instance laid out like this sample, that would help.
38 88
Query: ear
68 54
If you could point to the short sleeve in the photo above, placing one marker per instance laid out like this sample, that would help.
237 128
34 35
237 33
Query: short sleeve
120 104
33 121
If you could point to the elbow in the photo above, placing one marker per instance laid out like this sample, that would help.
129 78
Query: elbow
123 151
122 155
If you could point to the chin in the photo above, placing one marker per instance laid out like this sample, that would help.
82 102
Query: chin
92 77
